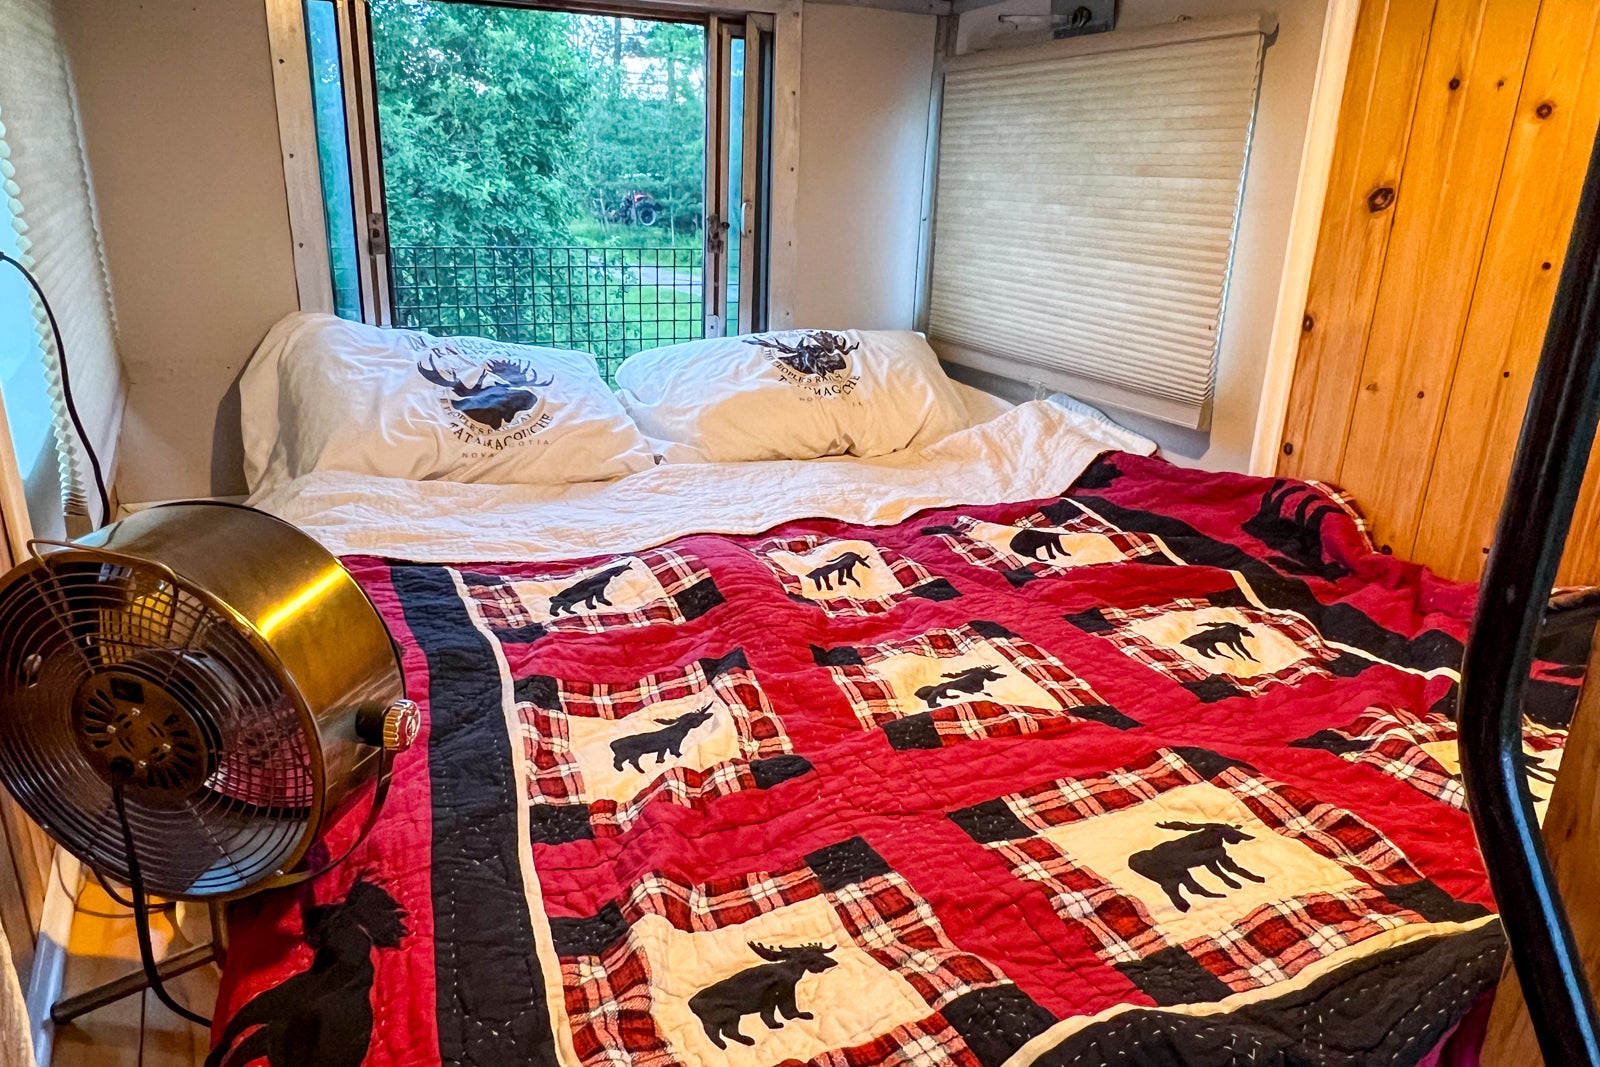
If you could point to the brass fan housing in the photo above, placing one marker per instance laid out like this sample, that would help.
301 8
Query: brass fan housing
224 666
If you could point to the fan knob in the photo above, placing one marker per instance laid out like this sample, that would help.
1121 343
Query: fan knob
401 724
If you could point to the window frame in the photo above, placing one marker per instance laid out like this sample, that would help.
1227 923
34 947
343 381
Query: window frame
779 21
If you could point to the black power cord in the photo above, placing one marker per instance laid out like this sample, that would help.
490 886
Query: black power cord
66 387
141 904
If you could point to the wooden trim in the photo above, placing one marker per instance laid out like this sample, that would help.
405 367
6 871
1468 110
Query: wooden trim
1572 838
1097 44
1086 389
944 43
366 159
750 152
715 203
1305 224
50 950
297 137
663 10
910 7
783 258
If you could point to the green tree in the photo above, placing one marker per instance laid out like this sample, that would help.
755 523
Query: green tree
644 128
480 110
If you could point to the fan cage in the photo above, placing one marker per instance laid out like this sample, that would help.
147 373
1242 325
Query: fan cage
75 617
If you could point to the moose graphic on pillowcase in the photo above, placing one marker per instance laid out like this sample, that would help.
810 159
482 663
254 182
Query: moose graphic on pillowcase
503 391
767 989
818 353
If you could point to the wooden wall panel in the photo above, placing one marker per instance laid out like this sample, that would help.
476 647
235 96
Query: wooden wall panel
1551 136
1470 82
1374 126
1426 312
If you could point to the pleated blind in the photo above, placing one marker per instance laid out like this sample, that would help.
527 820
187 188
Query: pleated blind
46 179
1086 202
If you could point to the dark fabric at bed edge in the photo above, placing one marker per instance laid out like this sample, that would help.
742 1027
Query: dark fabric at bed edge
1391 1010
1340 622
491 1008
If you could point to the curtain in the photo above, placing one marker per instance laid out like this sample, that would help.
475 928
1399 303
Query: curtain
48 191
1086 201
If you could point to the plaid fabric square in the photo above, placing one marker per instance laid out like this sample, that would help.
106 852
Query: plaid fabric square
607 990
1280 939
501 604
724 902
886 917
930 1043
1392 739
1117 626
1033 549
1273 941
908 573
876 702
555 777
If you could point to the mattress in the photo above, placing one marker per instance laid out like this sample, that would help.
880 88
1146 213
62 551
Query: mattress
1023 750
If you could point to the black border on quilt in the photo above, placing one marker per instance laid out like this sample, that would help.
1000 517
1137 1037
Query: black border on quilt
1340 622
1391 1008
489 985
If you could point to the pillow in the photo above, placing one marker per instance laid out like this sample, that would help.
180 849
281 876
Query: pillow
796 394
322 393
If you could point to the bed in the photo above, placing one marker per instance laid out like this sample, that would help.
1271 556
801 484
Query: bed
1022 748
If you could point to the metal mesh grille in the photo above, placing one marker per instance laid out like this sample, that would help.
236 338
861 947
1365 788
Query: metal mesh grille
64 626
612 302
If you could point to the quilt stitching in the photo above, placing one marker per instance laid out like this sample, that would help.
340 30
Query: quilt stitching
908 573
505 611
1021 557
1117 625
1273 941
555 778
1391 739
609 990
876 702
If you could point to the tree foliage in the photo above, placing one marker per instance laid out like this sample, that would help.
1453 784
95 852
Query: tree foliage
506 126
480 110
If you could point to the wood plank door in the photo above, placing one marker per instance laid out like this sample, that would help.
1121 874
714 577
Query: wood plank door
1466 129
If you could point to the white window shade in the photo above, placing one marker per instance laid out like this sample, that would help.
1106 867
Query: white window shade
45 179
1086 202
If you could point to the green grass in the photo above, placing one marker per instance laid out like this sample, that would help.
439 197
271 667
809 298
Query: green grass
593 234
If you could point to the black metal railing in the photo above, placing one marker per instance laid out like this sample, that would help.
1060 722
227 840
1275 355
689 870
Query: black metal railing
609 301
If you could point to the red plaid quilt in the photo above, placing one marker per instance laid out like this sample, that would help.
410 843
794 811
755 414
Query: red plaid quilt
1160 771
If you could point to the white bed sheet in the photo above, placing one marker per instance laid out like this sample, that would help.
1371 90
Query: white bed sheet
1033 450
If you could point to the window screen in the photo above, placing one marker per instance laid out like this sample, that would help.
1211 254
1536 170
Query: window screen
1086 202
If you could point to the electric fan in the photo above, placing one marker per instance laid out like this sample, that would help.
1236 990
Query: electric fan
191 697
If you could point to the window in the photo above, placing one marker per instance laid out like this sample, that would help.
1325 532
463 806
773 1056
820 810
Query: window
547 177
1086 201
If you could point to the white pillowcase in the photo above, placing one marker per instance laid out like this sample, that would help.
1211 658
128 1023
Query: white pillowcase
322 393
795 394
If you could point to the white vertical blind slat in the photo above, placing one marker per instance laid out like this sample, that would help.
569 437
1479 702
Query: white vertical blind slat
1085 213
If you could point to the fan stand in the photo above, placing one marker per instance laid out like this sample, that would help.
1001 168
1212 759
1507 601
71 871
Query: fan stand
67 1009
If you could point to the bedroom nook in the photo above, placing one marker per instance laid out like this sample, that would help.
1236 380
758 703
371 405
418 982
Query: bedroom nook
755 533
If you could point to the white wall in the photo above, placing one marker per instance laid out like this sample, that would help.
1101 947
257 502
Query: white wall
864 84
1288 72
181 126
